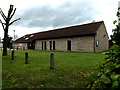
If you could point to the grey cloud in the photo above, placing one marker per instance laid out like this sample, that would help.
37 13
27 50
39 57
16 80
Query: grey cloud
63 15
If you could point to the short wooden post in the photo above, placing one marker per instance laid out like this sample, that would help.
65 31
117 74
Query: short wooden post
26 57
12 58
52 64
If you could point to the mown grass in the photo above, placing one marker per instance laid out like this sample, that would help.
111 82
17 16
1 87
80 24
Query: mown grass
0 70
71 69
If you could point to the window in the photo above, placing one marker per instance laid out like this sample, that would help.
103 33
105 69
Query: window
20 45
104 35
97 43
42 45
50 45
26 38
45 45
31 35
53 45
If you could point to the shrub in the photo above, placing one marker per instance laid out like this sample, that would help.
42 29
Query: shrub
109 71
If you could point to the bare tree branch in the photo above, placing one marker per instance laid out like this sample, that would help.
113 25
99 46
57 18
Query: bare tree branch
14 21
2 24
13 13
3 15
9 12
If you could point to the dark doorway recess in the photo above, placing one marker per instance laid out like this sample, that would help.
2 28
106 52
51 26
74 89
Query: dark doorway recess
50 45
31 45
42 45
53 45
69 45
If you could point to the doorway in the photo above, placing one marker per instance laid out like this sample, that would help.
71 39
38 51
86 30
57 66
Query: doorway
53 45
50 45
69 45
31 45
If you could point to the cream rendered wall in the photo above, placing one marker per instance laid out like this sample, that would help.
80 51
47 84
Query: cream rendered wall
102 38
85 44
60 44
77 44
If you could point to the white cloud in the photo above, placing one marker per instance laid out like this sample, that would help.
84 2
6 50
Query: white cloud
105 10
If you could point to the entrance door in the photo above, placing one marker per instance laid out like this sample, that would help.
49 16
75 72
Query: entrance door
69 45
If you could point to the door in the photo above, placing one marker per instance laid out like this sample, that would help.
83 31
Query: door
69 45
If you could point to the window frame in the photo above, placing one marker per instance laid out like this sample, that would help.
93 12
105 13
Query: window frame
97 43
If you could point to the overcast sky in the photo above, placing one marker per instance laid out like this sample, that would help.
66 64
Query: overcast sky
41 15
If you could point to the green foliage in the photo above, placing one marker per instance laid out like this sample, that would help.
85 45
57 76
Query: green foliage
109 70
9 41
116 31
115 22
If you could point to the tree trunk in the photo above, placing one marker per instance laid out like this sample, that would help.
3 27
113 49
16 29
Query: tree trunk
5 42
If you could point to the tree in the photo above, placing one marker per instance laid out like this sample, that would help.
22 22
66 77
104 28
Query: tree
116 35
9 42
116 32
6 25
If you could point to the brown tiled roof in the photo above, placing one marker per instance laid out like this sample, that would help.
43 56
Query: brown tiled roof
73 31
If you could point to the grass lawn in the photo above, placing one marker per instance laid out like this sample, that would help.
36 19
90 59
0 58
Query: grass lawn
0 70
71 69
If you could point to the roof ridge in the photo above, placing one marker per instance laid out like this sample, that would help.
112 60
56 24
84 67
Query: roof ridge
66 27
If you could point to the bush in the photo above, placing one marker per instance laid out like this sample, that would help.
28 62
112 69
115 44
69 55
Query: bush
109 71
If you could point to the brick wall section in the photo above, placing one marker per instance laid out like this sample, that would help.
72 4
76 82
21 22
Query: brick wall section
84 44
102 38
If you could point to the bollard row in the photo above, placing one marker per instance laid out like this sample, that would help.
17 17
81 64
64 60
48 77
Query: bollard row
26 56
52 63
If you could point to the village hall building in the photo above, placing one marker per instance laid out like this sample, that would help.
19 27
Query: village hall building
90 37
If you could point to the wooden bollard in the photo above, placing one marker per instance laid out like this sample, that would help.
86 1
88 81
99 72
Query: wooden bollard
52 64
26 57
12 58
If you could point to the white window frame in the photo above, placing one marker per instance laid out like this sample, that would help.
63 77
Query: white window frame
97 43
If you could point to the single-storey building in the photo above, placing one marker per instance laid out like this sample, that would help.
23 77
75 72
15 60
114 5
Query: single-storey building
90 37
